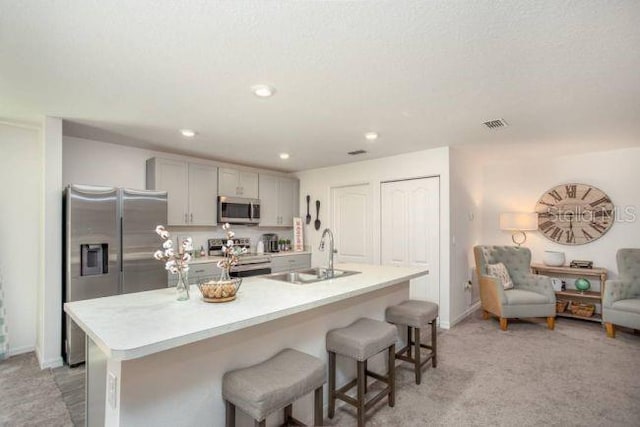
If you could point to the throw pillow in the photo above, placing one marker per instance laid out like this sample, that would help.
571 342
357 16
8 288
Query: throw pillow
500 272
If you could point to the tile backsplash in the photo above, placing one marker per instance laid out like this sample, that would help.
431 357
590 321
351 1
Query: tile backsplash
200 235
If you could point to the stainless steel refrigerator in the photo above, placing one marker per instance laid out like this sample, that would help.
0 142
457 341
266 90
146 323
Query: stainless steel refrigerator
109 240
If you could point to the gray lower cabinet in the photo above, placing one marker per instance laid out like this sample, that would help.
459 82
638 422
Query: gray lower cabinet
290 262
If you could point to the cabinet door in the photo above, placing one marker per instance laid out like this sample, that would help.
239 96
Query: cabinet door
268 200
228 182
203 192
248 183
171 176
287 201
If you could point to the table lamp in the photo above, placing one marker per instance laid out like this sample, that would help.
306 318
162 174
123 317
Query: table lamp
519 223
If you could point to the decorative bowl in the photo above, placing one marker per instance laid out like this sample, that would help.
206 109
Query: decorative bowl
553 258
220 290
582 284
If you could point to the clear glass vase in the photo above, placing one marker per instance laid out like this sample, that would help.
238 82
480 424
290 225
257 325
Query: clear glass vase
224 275
182 288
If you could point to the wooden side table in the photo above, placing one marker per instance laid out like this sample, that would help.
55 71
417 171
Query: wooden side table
572 294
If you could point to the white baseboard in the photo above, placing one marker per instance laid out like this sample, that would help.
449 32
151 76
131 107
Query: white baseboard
466 313
20 350
55 362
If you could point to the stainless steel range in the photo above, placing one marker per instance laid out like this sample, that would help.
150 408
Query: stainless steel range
250 264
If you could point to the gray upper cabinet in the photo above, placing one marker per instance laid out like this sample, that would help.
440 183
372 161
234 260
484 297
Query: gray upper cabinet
237 183
191 190
278 201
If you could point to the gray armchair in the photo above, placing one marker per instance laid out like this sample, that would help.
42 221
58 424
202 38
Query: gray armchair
531 296
621 302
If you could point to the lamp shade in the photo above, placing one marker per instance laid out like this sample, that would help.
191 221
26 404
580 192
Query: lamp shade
519 221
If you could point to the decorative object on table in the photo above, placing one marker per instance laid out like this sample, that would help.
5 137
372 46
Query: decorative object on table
582 284
582 309
553 258
557 284
226 287
298 243
308 218
176 262
574 214
317 222
518 223
581 264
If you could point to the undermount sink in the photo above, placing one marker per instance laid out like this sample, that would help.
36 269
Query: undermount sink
312 275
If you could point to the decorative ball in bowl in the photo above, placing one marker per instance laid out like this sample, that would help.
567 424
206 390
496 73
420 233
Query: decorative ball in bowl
582 284
220 290
553 258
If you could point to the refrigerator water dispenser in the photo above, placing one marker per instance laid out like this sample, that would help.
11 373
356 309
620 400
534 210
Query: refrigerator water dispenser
95 259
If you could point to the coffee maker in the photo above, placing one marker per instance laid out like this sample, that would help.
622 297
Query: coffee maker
270 241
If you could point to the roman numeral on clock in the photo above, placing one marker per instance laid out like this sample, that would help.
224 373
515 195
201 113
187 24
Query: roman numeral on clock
571 237
556 196
587 235
584 196
598 227
546 225
571 191
557 234
599 202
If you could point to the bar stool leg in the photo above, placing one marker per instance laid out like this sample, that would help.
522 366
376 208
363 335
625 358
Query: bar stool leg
332 385
361 380
288 412
318 407
416 359
409 341
434 343
392 375
366 367
230 414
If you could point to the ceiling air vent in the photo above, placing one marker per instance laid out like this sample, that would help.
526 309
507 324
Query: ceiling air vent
356 152
496 124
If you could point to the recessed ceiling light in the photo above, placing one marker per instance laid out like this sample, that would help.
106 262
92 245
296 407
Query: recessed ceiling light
284 156
371 136
188 133
263 91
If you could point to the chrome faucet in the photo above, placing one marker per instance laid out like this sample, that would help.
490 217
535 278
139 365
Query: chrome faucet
330 270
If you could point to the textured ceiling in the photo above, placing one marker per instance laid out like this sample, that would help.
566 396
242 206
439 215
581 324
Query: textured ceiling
564 74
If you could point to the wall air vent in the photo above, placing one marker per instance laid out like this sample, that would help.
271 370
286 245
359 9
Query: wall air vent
496 124
356 152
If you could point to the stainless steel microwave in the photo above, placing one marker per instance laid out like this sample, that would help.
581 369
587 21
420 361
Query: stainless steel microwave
238 210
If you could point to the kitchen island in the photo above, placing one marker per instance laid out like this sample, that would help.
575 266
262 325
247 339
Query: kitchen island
152 360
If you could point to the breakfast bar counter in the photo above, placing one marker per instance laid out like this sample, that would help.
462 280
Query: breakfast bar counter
152 360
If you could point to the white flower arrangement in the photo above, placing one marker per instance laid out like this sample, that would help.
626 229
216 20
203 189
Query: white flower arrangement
174 262
230 251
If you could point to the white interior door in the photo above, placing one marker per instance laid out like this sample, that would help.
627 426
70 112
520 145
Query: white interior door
351 210
410 230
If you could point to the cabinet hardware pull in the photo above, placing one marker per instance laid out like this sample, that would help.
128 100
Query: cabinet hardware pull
191 218
186 219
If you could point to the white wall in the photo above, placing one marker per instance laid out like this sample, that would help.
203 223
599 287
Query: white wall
517 186
466 227
318 183
49 325
20 232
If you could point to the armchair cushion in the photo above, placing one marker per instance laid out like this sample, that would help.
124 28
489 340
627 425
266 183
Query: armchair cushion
520 296
500 272
630 305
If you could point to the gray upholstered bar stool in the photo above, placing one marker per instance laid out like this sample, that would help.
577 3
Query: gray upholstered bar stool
273 385
416 315
360 341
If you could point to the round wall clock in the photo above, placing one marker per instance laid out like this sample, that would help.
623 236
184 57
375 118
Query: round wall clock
574 214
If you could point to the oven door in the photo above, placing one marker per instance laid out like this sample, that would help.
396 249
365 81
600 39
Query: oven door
249 270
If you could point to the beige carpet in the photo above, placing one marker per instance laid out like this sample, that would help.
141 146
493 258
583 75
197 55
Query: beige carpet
29 396
527 376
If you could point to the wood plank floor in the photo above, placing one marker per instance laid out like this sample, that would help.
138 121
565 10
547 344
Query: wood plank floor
70 381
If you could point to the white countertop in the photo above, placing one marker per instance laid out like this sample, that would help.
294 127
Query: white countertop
135 325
